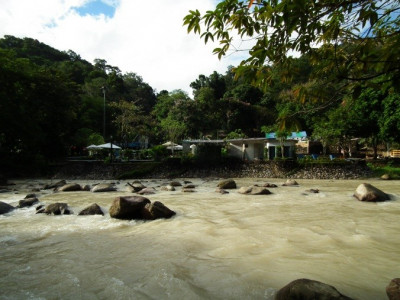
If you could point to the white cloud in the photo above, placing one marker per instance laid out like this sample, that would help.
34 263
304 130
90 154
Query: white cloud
144 38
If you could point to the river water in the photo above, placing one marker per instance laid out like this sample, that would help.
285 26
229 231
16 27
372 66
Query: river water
218 246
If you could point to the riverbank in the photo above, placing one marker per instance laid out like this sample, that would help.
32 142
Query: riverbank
267 169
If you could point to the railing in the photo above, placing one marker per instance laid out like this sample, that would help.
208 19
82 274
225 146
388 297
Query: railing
395 153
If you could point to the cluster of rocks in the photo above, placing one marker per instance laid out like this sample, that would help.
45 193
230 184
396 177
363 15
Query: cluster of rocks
364 192
123 207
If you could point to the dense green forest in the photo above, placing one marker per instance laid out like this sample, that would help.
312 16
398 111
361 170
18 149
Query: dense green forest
54 103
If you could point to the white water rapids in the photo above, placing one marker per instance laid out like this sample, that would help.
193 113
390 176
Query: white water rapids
218 246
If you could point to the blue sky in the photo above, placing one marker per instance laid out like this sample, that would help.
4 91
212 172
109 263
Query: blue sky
137 36
96 8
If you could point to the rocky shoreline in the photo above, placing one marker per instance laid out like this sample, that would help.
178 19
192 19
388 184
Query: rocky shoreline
267 169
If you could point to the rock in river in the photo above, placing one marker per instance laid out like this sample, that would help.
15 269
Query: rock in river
157 210
369 193
5 208
27 202
128 208
306 289
93 209
70 187
56 209
254 190
393 289
227 184
104 187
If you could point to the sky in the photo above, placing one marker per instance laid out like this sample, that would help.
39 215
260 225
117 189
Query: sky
146 38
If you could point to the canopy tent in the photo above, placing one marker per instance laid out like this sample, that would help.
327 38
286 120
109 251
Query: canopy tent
92 147
108 146
172 146
169 144
176 147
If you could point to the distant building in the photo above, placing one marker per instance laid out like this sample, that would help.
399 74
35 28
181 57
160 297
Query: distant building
274 146
247 149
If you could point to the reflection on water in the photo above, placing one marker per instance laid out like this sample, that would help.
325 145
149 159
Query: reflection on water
217 246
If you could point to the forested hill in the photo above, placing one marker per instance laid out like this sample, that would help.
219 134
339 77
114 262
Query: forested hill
36 51
52 100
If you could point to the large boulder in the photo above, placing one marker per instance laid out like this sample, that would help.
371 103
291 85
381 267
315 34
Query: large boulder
5 208
56 209
306 289
104 187
27 202
254 190
227 184
156 210
93 209
393 289
128 208
369 193
70 187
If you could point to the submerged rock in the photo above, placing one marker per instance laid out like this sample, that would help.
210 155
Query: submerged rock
168 187
270 185
368 193
221 191
56 209
227 184
27 202
306 289
93 209
254 190
5 208
189 186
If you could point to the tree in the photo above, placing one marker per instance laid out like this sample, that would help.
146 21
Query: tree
130 120
135 89
355 40
173 129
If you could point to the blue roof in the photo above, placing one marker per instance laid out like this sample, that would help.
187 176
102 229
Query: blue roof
294 135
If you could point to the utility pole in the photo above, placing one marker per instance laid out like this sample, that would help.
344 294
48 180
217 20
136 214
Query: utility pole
104 112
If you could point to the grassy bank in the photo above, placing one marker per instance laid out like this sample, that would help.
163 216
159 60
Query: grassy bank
379 170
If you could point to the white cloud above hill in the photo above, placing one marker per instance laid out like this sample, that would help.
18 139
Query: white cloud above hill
143 37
